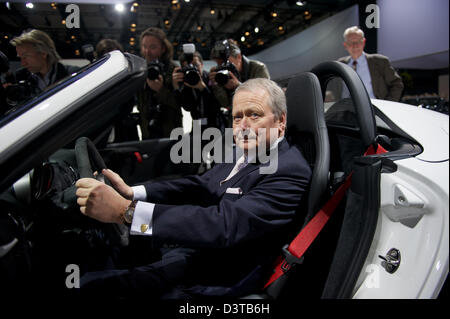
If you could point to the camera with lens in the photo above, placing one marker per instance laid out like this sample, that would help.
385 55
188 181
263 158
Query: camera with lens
191 73
154 70
222 51
17 92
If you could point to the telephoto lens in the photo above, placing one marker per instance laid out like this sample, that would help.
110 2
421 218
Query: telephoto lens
222 77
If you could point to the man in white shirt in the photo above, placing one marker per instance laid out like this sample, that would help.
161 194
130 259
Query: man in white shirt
228 223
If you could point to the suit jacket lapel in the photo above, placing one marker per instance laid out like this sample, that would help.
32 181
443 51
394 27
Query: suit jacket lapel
236 178
372 72
282 146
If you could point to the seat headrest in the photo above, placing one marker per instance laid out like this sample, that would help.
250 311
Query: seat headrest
305 104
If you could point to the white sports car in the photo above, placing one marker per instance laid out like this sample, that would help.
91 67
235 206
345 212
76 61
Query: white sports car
389 238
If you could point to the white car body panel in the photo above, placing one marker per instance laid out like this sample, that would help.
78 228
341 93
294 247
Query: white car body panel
414 213
426 126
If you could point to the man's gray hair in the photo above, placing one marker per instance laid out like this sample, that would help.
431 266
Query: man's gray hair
41 42
234 50
353 30
276 95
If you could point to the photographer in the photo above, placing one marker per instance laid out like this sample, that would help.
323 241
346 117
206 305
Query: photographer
41 68
192 92
125 128
232 69
158 108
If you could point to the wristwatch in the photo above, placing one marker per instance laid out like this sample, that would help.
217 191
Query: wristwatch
129 212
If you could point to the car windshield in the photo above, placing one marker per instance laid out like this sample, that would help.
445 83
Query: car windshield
14 109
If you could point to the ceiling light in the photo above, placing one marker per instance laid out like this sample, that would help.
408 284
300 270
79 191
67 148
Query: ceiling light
242 39
256 29
166 21
280 28
119 7
212 11
8 5
274 14
133 25
247 33
299 3
29 5
63 21
306 13
135 4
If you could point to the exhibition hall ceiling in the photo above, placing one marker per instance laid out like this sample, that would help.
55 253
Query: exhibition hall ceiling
256 25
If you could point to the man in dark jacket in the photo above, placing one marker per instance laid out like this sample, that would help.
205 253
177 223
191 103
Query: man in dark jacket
229 223
197 98
40 61
229 51
158 108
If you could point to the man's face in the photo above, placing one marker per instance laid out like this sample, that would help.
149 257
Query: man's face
218 61
151 48
354 44
199 65
31 59
252 112
237 61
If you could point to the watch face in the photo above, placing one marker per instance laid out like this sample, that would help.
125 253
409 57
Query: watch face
128 216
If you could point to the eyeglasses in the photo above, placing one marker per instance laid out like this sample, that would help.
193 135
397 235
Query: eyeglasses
354 43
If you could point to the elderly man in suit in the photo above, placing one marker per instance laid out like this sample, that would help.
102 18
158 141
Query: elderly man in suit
226 226
375 70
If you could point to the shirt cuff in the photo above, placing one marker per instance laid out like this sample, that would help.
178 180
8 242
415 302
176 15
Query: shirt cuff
139 192
142 219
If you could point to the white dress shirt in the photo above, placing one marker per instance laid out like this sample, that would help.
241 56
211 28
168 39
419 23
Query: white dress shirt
362 69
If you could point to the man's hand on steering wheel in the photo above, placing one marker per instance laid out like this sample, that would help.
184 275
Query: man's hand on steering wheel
118 184
100 201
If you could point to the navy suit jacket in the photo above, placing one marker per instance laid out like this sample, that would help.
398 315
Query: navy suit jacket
231 233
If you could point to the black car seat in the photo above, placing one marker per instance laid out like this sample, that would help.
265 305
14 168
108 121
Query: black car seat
306 128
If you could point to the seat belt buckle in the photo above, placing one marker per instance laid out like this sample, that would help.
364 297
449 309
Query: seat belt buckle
289 260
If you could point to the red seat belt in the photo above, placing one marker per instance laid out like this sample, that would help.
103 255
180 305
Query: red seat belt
307 235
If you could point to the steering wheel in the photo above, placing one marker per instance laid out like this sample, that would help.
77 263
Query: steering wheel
89 160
